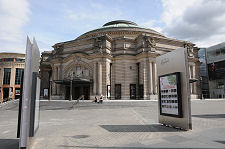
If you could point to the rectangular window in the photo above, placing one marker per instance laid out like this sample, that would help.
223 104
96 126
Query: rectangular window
117 91
217 52
20 60
223 51
8 59
18 76
132 91
7 74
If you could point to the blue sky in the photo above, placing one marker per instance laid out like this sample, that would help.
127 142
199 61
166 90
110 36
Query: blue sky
50 21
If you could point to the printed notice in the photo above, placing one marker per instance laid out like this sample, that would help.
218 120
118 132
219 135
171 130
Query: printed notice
169 94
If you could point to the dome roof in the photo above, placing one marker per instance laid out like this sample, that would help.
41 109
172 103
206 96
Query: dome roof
120 22
121 25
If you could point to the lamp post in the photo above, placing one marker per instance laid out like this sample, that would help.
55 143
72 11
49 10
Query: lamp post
71 87
50 89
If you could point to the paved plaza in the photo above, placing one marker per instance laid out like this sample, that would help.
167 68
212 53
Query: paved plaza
115 125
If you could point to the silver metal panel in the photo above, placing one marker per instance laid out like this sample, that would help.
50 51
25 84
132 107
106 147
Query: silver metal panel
26 96
31 65
176 61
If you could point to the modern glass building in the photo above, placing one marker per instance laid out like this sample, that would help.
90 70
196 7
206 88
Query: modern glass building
215 58
203 73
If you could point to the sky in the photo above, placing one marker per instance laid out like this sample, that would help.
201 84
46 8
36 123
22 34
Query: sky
201 22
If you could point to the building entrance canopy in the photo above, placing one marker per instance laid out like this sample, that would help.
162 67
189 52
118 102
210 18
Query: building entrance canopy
74 81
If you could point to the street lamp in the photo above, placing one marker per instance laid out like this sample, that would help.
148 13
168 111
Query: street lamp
71 86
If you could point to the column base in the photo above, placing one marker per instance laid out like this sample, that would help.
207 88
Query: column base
193 96
57 97
153 97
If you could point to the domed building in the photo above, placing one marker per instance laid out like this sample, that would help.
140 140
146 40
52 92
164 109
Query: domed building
116 61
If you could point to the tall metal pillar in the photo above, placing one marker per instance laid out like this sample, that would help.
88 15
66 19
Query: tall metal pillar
71 89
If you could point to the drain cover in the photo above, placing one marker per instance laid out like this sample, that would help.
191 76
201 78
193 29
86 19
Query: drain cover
80 136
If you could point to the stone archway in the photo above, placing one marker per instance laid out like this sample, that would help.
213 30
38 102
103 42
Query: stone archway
77 76
78 68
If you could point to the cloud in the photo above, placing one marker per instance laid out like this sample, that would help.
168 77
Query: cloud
199 21
13 16
152 24
88 18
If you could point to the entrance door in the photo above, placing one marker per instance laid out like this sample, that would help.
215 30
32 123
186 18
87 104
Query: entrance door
67 95
5 93
86 93
132 91
76 92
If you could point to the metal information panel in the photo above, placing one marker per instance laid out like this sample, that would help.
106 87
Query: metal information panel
31 89
170 95
174 93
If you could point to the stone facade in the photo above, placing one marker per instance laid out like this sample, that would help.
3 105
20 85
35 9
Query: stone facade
116 61
12 61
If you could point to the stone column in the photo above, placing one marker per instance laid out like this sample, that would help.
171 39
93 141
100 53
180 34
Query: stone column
54 86
12 82
99 78
95 79
60 92
50 86
56 78
150 78
145 79
50 90
156 79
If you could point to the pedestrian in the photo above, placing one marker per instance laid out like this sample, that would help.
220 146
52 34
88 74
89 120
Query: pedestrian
96 99
101 99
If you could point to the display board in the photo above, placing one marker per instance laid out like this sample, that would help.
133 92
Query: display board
170 95
173 86
34 104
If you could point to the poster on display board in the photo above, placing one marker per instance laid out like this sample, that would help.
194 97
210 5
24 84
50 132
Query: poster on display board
108 91
45 92
17 91
170 95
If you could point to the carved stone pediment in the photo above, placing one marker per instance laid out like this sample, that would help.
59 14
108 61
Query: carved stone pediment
98 44
149 43
189 49
59 49
77 69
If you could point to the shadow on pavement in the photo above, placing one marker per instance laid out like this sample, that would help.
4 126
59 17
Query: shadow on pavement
222 142
9 143
139 128
67 146
210 116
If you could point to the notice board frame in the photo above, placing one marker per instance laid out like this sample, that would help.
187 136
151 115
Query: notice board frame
179 95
